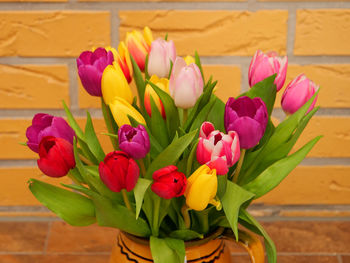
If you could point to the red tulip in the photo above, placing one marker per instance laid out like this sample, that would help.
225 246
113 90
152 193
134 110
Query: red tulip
56 156
118 171
169 182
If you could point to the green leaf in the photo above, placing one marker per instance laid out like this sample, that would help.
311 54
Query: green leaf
199 64
139 192
185 234
92 140
234 197
249 222
190 159
171 154
72 122
140 83
75 209
111 125
216 114
158 126
203 114
118 216
171 112
266 90
274 174
167 250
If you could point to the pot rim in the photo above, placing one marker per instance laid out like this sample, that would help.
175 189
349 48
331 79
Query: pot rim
191 243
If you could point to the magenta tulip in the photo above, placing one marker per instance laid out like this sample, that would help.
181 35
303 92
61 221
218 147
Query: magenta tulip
248 117
90 69
297 93
217 150
47 125
134 141
118 171
265 65
186 84
162 52
56 156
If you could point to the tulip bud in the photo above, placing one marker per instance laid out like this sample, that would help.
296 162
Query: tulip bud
120 109
248 117
122 57
114 85
163 84
47 125
169 182
134 141
201 188
263 66
217 150
297 93
90 68
162 52
186 84
139 45
118 171
56 156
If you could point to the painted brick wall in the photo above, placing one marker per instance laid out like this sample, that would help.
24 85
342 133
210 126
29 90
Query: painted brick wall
40 39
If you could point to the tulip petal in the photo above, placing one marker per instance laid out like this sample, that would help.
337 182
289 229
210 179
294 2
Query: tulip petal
249 131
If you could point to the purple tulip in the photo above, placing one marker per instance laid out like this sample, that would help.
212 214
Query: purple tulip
47 125
134 141
265 65
248 117
90 68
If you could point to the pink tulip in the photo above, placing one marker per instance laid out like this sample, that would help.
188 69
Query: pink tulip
186 84
297 93
162 52
265 65
216 149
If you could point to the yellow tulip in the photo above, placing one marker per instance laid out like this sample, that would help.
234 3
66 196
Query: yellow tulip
122 56
121 109
201 189
163 84
114 84
189 60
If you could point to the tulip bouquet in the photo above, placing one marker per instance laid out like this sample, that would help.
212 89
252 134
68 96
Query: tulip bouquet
184 162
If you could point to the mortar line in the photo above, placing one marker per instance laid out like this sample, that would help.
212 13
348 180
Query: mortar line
114 28
48 235
73 85
291 31
340 258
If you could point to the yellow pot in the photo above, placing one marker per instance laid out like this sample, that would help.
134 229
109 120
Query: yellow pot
210 249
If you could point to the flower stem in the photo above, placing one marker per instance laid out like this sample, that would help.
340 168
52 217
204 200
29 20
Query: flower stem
85 160
143 168
71 176
108 120
126 199
239 166
184 119
186 216
156 217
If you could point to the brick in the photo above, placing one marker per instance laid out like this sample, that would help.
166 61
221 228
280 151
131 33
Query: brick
228 77
312 185
83 239
159 1
336 140
301 0
20 1
322 32
306 259
213 33
52 33
310 236
346 259
333 79
23 236
314 213
14 189
33 86
53 258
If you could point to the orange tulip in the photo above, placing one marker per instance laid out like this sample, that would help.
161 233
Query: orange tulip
122 57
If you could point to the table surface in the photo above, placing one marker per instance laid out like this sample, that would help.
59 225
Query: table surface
53 241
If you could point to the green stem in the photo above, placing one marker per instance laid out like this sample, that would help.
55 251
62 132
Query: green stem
156 217
239 166
184 119
108 120
71 176
126 199
186 216
143 168
85 160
